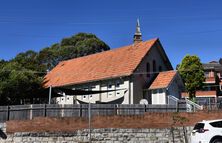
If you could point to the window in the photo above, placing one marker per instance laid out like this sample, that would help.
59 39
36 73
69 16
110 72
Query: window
148 69
217 124
118 84
110 94
154 66
160 90
77 89
93 87
160 68
206 74
154 91
198 126
109 85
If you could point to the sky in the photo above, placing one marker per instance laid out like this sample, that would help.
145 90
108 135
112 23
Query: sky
183 26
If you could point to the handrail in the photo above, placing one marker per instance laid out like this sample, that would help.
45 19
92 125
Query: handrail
173 98
194 104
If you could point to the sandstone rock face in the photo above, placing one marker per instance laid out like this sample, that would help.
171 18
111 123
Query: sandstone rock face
111 135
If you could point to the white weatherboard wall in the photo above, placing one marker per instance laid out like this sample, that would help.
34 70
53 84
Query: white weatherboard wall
65 100
114 95
122 86
159 96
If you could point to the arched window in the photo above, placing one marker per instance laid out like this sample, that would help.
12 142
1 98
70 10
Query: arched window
148 69
154 66
160 68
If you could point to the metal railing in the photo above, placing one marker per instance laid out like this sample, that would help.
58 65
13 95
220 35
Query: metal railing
172 100
191 106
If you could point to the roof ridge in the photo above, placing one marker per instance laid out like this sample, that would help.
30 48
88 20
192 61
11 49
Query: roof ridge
111 50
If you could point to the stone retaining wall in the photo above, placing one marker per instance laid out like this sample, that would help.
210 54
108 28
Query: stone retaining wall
173 135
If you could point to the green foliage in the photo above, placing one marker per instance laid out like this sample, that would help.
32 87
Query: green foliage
17 82
22 76
30 60
78 45
192 73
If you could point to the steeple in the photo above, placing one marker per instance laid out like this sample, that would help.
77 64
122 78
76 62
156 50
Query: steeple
138 35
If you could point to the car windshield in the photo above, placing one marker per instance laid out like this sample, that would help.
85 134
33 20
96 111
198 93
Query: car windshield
198 126
217 124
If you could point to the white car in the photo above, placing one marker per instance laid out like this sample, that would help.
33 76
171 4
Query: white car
209 131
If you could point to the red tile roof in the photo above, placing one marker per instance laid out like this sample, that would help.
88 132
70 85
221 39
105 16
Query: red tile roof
163 79
202 94
114 63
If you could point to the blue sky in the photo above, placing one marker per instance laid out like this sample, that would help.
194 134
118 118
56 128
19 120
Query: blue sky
183 26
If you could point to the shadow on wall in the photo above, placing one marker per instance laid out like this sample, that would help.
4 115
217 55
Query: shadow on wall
2 134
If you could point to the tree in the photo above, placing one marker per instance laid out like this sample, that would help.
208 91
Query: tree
2 62
220 61
22 77
17 82
79 45
192 73
29 60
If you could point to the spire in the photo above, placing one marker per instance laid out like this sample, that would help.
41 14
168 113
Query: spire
138 35
138 27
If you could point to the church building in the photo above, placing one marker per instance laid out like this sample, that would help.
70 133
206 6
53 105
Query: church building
127 72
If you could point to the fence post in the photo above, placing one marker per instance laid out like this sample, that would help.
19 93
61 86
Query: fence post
80 110
115 109
62 110
44 110
145 108
31 112
8 113
177 106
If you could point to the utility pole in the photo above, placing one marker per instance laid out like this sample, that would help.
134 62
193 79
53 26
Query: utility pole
50 94
89 110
